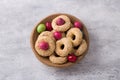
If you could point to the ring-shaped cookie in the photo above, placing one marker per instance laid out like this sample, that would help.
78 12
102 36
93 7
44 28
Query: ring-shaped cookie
82 48
75 35
63 27
63 47
47 33
47 52
57 60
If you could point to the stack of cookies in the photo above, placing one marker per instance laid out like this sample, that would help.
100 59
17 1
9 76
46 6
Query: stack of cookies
60 40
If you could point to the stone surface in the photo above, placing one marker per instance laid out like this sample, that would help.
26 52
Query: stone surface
17 19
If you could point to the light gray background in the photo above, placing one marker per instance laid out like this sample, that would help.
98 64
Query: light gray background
17 19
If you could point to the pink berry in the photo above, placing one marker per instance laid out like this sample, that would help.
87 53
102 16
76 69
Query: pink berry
60 21
43 45
78 25
71 58
48 26
57 35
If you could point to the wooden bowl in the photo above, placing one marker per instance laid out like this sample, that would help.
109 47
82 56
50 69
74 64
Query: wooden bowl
34 36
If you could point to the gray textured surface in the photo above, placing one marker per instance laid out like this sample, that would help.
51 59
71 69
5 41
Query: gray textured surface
17 18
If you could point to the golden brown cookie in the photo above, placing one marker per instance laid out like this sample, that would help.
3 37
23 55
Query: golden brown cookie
47 33
82 48
50 42
63 47
75 36
63 27
57 60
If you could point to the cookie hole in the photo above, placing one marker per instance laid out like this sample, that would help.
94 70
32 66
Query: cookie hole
76 47
65 32
56 54
62 46
73 37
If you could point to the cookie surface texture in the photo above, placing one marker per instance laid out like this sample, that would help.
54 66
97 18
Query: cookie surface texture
63 27
51 43
82 48
75 35
57 60
63 47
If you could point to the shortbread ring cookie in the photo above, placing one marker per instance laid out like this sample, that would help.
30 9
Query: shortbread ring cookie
82 48
63 27
47 33
57 60
63 47
75 35
47 52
